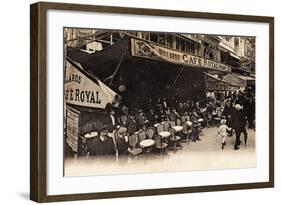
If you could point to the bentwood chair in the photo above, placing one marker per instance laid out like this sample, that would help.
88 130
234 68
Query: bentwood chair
163 134
141 136
174 139
178 122
159 144
133 141
160 128
166 126
188 126
185 132
173 123
150 132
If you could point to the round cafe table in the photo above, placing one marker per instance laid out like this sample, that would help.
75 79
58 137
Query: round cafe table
147 144
178 128
164 134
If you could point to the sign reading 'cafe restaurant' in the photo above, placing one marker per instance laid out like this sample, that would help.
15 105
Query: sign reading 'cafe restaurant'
144 49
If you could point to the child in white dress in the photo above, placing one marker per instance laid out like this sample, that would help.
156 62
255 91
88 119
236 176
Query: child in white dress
222 132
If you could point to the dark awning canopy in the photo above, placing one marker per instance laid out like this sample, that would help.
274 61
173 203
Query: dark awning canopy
215 84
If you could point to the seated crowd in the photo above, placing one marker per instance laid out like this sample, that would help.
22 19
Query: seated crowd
133 125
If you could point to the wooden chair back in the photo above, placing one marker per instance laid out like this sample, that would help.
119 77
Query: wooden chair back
142 136
158 141
133 140
150 132
166 126
172 131
173 123
160 128
178 122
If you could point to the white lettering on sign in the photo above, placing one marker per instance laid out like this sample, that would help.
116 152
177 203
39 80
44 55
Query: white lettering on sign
151 50
80 89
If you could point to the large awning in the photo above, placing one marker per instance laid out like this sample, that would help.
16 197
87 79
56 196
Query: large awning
239 80
215 84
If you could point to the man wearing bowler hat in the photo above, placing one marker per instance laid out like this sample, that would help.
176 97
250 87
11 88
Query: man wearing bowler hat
101 144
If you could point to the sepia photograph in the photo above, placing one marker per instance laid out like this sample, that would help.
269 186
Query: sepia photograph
147 102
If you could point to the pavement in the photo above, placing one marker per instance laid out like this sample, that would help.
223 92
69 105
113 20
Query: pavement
202 155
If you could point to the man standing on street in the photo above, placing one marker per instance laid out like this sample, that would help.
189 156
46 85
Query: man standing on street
238 124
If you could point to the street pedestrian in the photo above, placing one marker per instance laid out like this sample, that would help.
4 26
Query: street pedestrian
222 132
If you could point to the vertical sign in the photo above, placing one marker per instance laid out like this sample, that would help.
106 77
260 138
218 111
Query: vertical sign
72 129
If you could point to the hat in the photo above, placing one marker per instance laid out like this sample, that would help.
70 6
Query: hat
122 130
238 107
140 110
103 128
125 108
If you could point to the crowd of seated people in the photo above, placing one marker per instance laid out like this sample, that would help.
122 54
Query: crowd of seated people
126 121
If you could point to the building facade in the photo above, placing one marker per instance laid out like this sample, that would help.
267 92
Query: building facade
196 62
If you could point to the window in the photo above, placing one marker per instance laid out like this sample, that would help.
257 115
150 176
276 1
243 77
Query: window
169 40
182 45
187 47
236 42
177 43
161 38
145 35
192 48
154 37
227 38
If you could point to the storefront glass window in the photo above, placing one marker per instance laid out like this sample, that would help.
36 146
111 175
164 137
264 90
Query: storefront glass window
161 38
169 40
145 35
187 43
154 37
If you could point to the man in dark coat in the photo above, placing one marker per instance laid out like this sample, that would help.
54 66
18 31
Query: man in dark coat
152 117
121 140
101 144
250 111
132 124
227 112
238 124
141 118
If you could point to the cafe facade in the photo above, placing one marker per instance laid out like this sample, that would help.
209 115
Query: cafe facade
142 64
136 66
